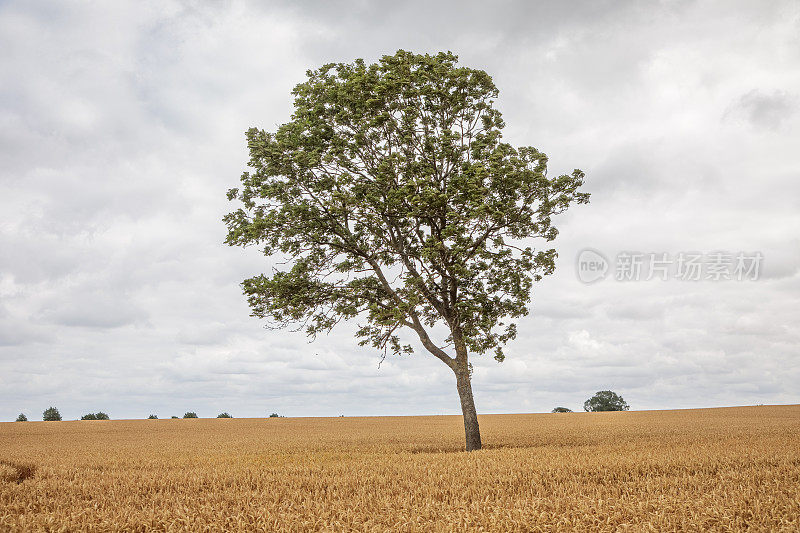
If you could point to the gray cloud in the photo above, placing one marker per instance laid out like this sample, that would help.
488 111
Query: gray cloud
767 111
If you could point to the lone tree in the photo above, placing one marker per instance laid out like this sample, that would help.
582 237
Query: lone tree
605 400
51 414
22 418
561 410
392 198
190 414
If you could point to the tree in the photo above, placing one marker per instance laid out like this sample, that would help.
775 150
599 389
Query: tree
605 400
393 199
190 414
51 414
224 415
274 415
173 416
22 418
154 417
95 416
561 410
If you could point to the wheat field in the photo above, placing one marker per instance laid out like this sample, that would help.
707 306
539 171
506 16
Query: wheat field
705 469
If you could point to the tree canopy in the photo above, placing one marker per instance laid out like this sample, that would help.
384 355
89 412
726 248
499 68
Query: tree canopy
51 414
605 400
95 416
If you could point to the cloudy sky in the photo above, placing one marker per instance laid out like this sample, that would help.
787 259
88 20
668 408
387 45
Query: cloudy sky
122 126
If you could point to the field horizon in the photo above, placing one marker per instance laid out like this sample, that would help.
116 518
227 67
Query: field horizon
710 468
459 416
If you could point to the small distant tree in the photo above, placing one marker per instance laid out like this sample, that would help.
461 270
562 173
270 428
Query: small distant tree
154 417
22 418
274 415
224 415
173 416
51 414
605 400
190 414
95 416
562 410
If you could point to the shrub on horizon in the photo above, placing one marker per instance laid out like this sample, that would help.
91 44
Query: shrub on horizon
95 416
190 414
22 418
51 414
224 415
605 400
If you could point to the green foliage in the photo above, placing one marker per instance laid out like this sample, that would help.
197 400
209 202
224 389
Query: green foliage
22 418
95 416
154 417
274 415
605 400
190 415
173 416
51 414
393 197
224 415
562 410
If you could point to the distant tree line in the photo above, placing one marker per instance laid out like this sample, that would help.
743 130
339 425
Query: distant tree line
605 400
51 414
601 401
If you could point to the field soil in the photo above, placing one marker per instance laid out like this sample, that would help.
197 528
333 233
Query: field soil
704 469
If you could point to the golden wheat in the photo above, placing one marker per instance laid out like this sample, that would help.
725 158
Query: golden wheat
710 469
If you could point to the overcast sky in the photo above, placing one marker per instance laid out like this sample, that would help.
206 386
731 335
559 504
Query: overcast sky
122 126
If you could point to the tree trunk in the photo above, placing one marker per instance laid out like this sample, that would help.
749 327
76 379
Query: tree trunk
471 429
